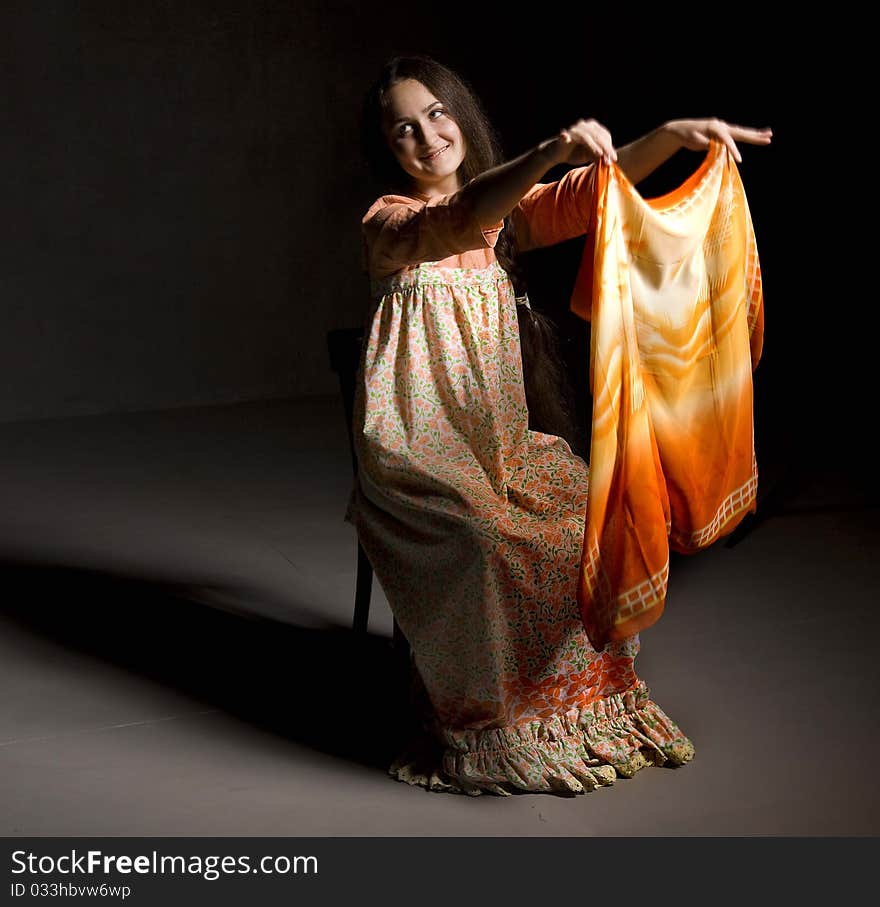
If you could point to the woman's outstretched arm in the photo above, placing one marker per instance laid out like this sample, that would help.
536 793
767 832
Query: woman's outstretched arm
496 192
551 213
642 157
400 231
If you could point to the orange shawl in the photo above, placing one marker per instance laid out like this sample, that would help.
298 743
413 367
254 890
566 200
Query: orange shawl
672 286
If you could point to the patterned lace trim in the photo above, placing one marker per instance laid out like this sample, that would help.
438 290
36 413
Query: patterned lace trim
576 752
428 274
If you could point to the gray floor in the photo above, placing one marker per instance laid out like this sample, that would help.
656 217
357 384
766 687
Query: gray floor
175 657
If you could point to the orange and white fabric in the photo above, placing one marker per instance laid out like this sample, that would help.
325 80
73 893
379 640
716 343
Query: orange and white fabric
672 287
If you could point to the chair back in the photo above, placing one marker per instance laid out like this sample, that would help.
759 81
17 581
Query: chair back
344 346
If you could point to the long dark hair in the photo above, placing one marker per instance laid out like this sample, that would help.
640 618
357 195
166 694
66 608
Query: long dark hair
549 395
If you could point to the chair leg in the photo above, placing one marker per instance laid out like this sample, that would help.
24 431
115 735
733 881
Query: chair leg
363 591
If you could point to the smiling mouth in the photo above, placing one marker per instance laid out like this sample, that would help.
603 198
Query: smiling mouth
435 155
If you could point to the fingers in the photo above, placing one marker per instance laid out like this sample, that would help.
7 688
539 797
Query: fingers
734 151
751 136
591 140
595 137
723 133
729 134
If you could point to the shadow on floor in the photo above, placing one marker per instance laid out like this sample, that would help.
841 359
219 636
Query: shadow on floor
330 689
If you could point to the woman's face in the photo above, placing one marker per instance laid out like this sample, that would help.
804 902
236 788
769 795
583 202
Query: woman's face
423 137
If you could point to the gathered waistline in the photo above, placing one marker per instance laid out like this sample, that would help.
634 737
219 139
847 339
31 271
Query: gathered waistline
428 275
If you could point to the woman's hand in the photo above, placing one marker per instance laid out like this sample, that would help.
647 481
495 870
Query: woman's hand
696 135
584 142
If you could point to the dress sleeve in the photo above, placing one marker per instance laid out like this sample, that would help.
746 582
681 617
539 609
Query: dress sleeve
400 231
550 213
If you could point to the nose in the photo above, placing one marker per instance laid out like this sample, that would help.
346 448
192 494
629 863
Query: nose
428 135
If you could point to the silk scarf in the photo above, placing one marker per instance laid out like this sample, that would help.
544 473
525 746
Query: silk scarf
672 288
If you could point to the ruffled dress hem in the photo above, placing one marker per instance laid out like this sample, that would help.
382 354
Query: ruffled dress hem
569 753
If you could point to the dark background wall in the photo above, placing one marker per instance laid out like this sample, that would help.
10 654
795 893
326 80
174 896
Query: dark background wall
183 187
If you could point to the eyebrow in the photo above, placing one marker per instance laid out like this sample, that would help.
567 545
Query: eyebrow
401 119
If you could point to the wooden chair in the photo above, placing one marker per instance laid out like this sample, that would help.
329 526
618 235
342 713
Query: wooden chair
344 346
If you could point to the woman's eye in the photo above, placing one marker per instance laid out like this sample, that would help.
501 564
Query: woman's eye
403 130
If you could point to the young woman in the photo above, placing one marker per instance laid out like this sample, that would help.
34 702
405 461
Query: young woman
473 522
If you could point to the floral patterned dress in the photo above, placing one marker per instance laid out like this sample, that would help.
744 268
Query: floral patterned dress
474 524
